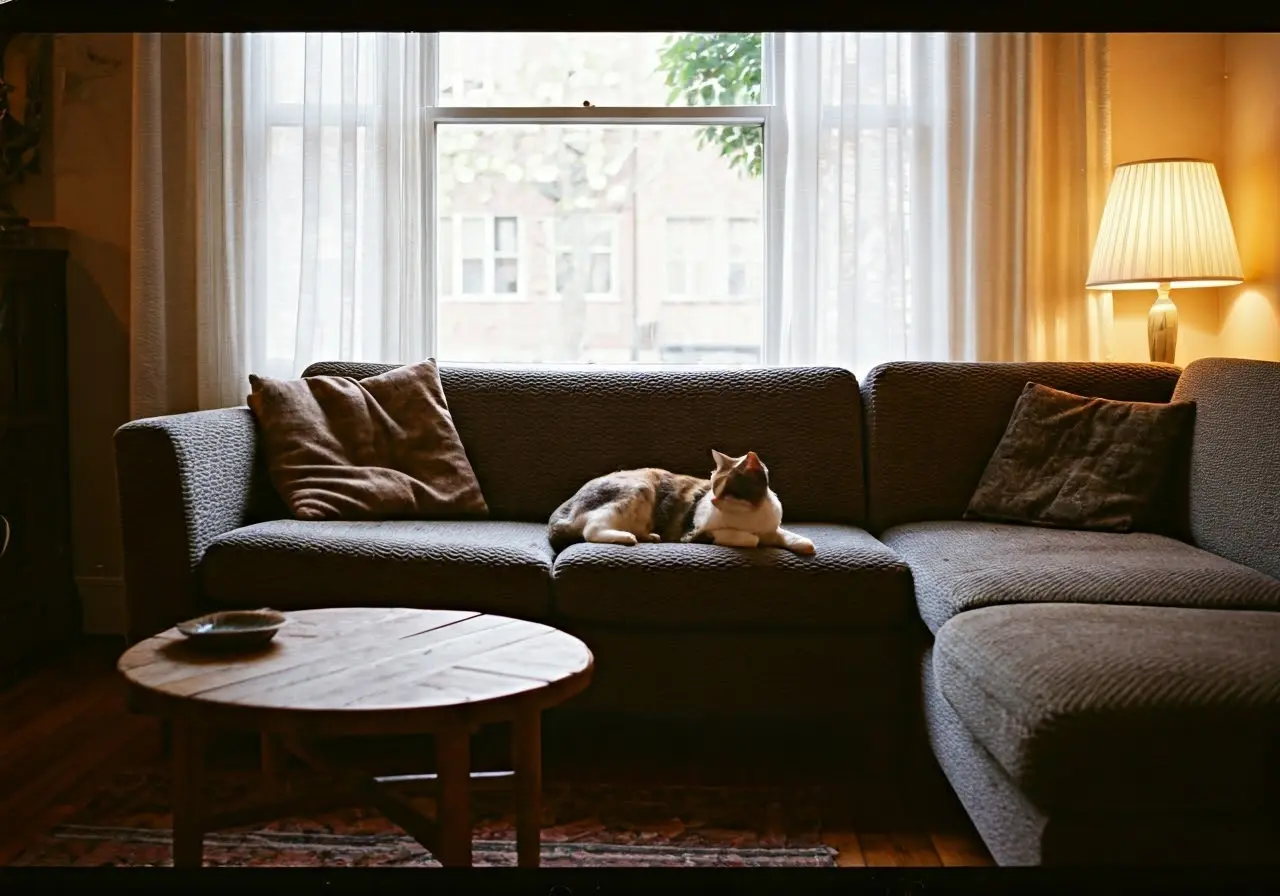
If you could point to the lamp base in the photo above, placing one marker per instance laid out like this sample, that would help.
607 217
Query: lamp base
1162 327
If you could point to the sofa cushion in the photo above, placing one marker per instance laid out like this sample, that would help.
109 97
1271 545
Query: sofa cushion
1121 708
484 565
384 447
959 566
1070 462
852 582
534 433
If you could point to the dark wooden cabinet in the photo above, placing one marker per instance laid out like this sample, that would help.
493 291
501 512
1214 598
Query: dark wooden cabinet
39 607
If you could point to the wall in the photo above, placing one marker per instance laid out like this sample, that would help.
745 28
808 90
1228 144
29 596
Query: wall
85 188
1168 93
1251 312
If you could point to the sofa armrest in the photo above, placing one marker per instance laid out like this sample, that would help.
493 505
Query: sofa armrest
183 480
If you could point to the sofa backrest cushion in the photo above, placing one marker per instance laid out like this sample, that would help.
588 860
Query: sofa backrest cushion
931 426
534 434
1234 477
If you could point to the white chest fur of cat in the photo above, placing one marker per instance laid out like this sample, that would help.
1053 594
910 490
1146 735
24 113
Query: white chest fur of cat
737 523
735 507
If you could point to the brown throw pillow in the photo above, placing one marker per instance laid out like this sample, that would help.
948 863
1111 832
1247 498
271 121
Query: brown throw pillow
1071 462
384 447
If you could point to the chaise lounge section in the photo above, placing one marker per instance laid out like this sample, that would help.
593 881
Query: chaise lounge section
1094 697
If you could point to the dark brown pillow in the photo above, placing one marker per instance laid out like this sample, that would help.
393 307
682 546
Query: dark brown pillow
384 447
1071 462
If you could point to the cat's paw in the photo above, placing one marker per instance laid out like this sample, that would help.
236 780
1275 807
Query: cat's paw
610 536
653 538
803 546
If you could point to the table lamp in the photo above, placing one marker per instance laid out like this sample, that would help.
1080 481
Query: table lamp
1165 225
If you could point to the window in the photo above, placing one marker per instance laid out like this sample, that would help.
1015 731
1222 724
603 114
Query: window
484 259
635 180
592 244
523 128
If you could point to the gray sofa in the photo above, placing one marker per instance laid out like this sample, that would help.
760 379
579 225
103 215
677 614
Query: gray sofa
1094 697
1090 697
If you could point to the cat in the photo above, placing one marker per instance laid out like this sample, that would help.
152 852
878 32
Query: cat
735 508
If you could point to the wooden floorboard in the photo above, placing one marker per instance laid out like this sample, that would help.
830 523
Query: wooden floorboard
66 731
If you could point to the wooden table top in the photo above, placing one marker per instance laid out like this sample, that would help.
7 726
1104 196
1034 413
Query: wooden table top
354 671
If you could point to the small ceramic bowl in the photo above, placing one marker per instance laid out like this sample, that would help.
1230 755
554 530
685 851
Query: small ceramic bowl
233 629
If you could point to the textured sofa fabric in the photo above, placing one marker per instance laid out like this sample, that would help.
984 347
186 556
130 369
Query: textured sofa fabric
183 480
931 427
1017 832
1234 481
535 435
1124 709
959 566
851 678
852 582
210 531
1094 697
484 565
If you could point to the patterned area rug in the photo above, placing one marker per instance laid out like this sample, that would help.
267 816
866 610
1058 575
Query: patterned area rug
127 824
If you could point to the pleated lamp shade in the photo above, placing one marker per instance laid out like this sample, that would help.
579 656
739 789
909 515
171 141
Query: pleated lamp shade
1165 221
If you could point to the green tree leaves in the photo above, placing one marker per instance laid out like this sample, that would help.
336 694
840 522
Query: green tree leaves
719 69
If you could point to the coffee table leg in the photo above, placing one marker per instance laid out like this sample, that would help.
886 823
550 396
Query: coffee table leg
273 759
526 730
453 765
188 795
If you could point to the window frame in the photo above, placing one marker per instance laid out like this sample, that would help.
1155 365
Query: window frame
768 114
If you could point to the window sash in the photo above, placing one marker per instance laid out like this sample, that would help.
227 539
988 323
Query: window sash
870 115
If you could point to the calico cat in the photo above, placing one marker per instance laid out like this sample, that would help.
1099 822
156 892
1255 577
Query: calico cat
735 507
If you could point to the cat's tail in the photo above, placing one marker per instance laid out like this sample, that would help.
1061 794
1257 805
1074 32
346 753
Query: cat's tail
561 534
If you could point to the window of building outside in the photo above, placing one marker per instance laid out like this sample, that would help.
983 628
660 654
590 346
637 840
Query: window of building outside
484 260
596 256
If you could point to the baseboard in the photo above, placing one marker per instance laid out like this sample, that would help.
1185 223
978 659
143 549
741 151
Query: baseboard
105 610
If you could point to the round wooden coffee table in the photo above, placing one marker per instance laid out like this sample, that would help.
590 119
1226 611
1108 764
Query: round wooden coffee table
375 672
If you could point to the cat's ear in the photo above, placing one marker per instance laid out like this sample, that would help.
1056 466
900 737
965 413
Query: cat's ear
722 460
752 462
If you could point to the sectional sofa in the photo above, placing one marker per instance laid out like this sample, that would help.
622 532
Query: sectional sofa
1091 697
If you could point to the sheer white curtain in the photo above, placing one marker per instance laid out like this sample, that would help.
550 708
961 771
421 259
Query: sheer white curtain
340 214
279 209
924 217
941 193
189 261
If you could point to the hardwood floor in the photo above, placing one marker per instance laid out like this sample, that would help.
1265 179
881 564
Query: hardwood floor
67 731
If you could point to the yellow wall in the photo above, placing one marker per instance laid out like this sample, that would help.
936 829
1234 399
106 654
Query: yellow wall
1167 100
1251 312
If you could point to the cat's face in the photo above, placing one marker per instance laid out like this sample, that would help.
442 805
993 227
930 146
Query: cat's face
738 482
